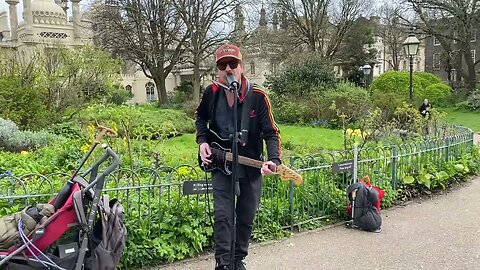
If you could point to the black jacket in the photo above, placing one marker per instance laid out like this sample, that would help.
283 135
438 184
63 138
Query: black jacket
424 109
261 126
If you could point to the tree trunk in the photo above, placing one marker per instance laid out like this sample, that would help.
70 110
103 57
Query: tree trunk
468 74
471 80
196 78
159 79
471 76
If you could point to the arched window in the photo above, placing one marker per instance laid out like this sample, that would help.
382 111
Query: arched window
128 88
150 90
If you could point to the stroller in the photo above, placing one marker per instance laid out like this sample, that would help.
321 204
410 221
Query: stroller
73 237
364 206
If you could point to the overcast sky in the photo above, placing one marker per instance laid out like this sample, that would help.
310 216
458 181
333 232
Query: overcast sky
85 3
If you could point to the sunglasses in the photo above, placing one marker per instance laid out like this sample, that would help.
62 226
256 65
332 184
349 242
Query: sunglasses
233 64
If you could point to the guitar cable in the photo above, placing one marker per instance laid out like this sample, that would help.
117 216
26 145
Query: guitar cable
208 200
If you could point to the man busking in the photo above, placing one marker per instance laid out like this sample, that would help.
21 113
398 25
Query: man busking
215 113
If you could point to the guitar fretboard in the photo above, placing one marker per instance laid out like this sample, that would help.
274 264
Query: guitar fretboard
241 159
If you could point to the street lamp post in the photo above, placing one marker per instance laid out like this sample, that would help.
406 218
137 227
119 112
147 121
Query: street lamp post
366 73
411 47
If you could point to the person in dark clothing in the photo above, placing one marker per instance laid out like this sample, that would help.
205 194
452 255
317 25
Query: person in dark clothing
215 113
425 108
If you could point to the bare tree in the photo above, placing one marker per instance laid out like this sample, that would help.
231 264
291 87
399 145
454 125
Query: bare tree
393 33
321 25
454 24
146 32
205 21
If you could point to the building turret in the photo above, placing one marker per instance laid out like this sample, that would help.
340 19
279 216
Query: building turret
12 12
76 19
28 19
4 30
275 21
239 31
263 18
284 21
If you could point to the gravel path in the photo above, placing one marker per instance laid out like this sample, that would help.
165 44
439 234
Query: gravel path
441 232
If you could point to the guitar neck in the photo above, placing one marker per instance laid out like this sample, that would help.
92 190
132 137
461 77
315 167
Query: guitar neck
245 161
221 156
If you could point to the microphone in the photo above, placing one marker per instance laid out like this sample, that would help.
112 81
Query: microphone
232 82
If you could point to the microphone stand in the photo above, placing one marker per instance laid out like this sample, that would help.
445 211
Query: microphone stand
235 139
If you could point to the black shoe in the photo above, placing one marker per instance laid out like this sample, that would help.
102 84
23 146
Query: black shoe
224 267
240 265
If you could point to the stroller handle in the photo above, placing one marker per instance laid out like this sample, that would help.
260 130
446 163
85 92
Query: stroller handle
101 178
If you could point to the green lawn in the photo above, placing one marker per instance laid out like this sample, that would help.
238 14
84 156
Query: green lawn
303 140
295 140
298 140
462 117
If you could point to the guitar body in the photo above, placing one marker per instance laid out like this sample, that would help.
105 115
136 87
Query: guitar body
219 160
220 147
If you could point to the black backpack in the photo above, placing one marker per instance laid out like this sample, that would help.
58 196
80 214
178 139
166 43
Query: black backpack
365 214
108 238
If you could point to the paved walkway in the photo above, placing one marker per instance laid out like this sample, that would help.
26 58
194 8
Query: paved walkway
442 232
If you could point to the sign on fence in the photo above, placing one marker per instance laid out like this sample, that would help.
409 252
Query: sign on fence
196 187
343 166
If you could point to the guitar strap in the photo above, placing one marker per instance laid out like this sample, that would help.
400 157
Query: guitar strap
246 108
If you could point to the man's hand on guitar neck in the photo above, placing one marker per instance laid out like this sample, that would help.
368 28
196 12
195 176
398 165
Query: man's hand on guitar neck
205 153
268 168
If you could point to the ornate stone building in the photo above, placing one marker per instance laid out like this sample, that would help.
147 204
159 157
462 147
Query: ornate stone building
44 24
261 48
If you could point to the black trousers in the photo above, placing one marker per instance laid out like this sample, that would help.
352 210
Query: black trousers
246 207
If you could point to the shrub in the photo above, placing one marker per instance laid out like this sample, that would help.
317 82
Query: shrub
408 118
7 128
72 130
296 90
141 122
22 103
295 111
350 100
398 83
438 93
427 79
301 76
182 93
473 101
387 103
120 96
190 107
14 140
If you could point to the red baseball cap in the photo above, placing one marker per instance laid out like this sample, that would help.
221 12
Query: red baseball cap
228 50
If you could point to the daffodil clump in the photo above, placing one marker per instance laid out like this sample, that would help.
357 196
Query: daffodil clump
356 133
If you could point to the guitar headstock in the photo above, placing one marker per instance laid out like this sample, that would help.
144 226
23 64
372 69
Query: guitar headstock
288 174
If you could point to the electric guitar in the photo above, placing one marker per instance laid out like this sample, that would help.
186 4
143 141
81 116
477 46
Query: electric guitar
222 158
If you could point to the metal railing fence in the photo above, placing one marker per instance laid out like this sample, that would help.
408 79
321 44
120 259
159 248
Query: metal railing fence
155 204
